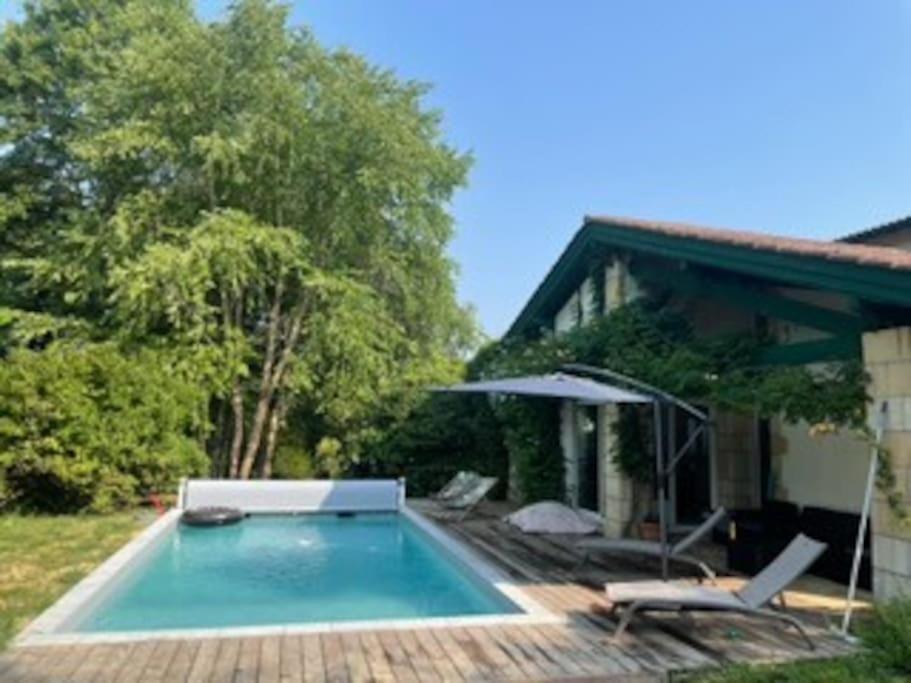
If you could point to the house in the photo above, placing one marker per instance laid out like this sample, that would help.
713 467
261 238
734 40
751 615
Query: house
820 300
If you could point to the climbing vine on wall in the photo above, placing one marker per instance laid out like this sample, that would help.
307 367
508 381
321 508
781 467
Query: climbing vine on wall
656 344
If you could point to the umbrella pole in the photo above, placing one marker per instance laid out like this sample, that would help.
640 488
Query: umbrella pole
864 520
662 487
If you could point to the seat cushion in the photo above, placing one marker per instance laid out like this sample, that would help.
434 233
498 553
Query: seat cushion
675 592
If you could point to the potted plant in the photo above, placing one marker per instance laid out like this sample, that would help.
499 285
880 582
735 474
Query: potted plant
649 528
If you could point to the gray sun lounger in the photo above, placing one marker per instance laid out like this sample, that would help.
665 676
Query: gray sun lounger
469 499
457 485
753 599
677 551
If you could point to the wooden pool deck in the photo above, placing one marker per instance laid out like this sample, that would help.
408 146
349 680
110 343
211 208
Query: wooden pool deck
580 648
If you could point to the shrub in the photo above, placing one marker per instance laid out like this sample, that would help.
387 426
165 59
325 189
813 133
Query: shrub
532 440
90 428
888 636
292 462
442 435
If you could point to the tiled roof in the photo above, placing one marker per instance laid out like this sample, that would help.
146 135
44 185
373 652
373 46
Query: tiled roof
846 252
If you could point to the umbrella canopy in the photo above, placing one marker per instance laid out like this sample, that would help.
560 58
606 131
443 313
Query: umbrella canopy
557 385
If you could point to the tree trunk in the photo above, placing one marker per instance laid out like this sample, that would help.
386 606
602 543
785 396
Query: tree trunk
267 382
275 424
272 377
260 418
237 404
218 443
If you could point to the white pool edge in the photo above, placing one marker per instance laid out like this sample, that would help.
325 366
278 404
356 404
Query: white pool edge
45 629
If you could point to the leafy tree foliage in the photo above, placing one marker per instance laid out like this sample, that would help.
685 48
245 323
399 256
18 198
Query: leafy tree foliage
89 427
272 213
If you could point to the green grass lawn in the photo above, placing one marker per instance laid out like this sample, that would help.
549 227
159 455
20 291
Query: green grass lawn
42 556
845 670
884 656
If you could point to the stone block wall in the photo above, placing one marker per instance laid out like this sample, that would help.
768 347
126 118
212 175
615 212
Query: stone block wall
617 490
887 359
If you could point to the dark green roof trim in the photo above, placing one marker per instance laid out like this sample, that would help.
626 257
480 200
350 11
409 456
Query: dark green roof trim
872 283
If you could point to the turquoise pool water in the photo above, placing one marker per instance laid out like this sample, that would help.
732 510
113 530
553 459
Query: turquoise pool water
294 569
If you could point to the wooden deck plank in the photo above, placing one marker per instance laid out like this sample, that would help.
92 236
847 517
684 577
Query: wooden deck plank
22 666
226 660
30 665
596 642
486 667
380 669
157 666
182 662
203 665
579 651
398 660
85 670
465 665
355 658
420 662
291 659
503 665
270 660
116 659
525 655
334 658
553 651
314 667
140 656
441 661
247 668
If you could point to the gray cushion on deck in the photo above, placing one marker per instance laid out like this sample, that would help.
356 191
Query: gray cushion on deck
672 592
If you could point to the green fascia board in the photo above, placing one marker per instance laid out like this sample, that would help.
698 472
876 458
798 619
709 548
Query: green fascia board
872 283
844 347
868 282
758 300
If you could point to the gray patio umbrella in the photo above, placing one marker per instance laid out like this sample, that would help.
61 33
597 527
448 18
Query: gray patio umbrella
610 388
556 385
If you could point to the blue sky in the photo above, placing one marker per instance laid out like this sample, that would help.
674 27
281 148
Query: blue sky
779 116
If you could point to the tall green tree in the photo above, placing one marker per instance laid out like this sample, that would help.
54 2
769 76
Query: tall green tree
274 211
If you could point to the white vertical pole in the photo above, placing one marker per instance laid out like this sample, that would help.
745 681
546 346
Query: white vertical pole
662 486
401 493
182 493
864 518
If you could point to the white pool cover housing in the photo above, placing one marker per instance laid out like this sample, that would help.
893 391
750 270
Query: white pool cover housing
311 495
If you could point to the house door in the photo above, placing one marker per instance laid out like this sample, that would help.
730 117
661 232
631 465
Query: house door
692 481
588 458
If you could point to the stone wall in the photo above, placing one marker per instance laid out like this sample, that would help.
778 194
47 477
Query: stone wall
617 490
570 446
887 358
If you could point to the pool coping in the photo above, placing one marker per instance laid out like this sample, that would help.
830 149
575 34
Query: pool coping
45 628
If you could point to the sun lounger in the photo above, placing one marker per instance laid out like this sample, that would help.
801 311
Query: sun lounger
676 552
754 598
466 501
457 485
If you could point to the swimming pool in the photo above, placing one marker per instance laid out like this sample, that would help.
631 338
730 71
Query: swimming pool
310 556
281 569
